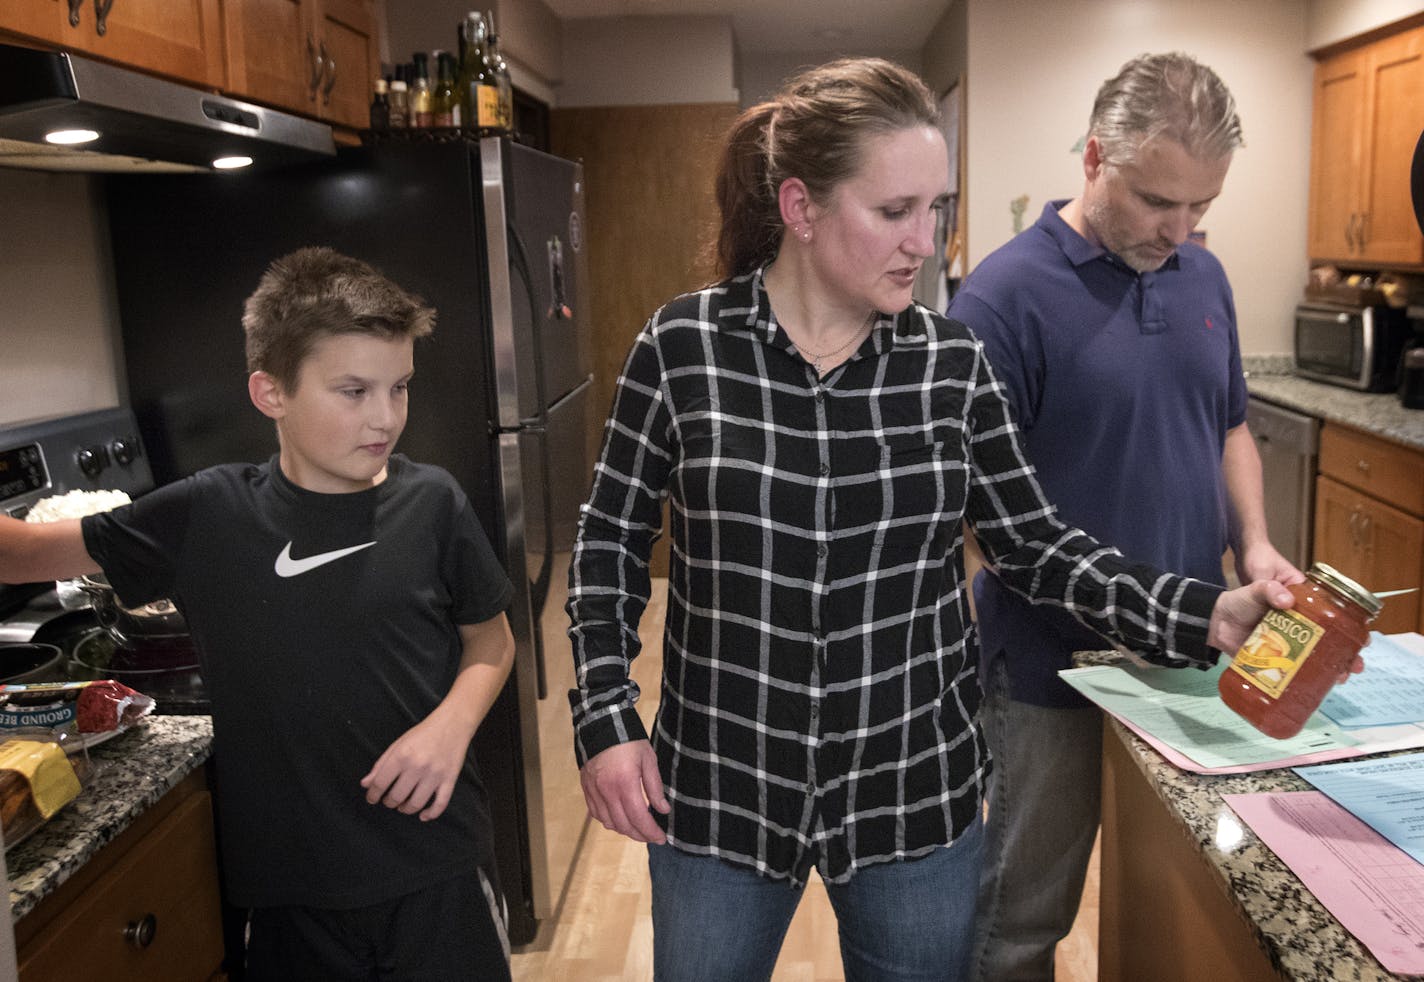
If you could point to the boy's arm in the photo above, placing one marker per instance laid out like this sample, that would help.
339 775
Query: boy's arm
47 551
417 773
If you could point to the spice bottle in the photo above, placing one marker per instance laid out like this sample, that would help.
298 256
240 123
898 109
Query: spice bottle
399 99
1293 657
381 107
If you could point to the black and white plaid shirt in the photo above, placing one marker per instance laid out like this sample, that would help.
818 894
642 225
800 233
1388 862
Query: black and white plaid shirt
819 690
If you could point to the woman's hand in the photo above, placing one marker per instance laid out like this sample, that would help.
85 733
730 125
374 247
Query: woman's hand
1238 611
619 784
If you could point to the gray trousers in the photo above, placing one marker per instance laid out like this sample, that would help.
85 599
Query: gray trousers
1043 816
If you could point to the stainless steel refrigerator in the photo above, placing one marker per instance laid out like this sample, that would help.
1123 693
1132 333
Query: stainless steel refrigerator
490 234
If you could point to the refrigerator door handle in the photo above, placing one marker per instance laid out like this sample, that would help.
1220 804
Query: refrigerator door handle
519 263
539 586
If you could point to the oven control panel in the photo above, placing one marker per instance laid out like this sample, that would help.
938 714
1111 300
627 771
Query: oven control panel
96 451
22 471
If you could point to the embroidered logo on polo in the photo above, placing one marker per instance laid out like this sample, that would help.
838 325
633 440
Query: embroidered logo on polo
286 566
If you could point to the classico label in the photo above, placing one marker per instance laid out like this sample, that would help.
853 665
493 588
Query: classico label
1276 649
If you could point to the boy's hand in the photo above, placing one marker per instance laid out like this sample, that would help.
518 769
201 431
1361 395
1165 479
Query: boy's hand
417 773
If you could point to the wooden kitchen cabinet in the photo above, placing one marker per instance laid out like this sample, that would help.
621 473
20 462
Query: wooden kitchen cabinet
1367 116
1150 863
180 39
1369 518
158 876
314 57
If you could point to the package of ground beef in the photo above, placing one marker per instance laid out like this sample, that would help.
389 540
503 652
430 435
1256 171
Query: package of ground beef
72 711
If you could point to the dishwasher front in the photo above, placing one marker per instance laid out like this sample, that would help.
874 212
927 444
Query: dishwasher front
1289 443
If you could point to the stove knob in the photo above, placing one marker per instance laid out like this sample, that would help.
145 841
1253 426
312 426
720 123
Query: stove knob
125 450
92 460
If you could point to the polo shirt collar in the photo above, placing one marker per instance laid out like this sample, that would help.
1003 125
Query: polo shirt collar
1078 249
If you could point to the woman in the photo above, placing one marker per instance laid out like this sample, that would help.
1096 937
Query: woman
822 441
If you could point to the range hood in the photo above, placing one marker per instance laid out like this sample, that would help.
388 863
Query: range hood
142 123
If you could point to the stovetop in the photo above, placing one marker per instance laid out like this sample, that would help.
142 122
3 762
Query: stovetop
169 675
95 451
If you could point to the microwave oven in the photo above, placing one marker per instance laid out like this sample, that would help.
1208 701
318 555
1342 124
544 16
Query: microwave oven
1357 347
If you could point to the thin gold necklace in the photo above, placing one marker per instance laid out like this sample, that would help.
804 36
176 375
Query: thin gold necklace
818 357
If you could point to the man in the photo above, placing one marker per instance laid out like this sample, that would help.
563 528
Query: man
1116 341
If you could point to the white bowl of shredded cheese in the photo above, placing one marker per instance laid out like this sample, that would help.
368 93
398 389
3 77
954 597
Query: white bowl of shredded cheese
73 504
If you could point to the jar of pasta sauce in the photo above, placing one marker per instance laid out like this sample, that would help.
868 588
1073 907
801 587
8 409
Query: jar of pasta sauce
1293 657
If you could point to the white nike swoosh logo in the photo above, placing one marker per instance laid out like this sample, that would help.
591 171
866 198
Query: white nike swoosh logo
287 566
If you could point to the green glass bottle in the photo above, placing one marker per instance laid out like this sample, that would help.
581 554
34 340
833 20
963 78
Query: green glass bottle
501 81
478 89
422 109
445 97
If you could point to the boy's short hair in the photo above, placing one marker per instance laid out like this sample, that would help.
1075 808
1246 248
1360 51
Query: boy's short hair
317 292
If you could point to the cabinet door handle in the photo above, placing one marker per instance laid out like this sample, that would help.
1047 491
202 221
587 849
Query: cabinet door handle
1364 230
317 66
74 6
1363 466
141 933
101 16
330 75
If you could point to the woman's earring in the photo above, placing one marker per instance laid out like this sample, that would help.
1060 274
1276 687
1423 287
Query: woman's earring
804 232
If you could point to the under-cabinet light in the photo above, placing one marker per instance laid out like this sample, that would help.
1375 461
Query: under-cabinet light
70 137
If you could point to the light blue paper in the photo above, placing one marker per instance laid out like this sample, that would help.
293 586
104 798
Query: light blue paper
1181 707
1389 691
1387 794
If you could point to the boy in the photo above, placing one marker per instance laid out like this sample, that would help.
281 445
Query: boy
349 614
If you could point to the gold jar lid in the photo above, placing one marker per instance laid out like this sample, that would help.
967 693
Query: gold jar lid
1346 587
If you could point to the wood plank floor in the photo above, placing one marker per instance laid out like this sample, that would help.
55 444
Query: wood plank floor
602 931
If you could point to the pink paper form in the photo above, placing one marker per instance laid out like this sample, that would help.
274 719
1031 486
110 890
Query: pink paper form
1374 889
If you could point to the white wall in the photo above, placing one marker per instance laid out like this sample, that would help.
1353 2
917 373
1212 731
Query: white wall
1329 21
58 315
1030 90
946 50
763 73
642 61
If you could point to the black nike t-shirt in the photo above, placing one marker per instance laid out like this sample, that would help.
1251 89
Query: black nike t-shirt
326 626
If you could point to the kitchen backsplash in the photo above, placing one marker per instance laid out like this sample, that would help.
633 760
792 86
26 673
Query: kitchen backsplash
58 314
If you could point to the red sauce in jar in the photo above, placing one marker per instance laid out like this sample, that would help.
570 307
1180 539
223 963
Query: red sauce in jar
1293 657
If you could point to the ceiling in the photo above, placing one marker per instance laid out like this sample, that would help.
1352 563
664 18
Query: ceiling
789 25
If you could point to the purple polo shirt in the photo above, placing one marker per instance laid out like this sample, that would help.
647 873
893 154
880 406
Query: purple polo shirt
1124 385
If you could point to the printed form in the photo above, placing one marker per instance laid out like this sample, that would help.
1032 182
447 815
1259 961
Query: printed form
1178 712
1373 888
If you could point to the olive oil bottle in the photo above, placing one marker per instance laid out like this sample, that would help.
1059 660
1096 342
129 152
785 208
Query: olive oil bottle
478 87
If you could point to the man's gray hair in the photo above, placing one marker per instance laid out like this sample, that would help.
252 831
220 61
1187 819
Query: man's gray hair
1169 96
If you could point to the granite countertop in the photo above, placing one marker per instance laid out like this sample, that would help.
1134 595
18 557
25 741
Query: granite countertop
1303 940
1379 413
132 771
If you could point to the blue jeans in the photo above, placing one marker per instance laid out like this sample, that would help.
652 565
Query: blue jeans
905 921
1043 815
